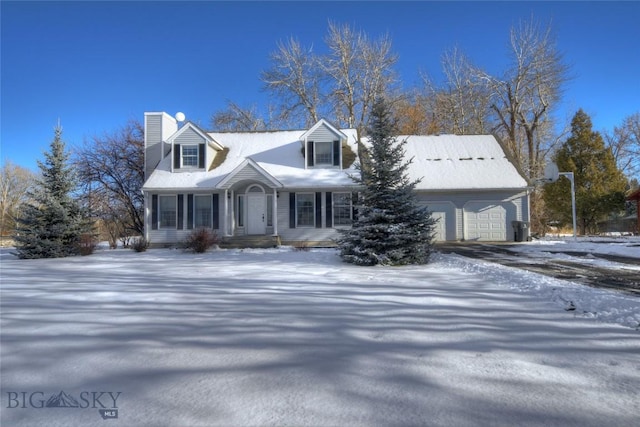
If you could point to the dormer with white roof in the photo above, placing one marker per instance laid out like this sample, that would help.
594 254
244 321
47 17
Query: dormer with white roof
192 149
322 146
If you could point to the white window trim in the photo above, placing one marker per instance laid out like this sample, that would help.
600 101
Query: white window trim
175 201
315 154
269 212
182 165
333 210
210 203
313 198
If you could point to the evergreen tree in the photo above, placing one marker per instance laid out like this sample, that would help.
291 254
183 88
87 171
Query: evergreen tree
599 184
52 222
390 227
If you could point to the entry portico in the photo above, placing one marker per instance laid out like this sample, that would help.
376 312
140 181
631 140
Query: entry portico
250 201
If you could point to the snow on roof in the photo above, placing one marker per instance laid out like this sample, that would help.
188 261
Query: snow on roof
444 162
278 153
457 162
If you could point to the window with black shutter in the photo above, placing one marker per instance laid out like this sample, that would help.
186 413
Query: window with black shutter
318 209
292 210
180 211
189 211
336 153
310 155
176 156
201 156
154 212
215 206
328 209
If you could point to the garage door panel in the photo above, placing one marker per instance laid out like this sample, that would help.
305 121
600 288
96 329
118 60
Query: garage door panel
444 213
486 221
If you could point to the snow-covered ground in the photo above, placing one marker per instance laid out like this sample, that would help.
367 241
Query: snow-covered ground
284 337
626 246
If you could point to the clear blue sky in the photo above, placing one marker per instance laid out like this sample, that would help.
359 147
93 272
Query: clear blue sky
95 65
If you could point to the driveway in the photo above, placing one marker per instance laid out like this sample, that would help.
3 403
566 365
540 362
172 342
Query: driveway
616 272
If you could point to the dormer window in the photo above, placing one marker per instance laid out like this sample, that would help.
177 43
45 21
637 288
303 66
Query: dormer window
323 153
189 156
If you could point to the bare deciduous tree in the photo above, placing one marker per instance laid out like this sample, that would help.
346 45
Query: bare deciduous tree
295 77
360 71
461 105
111 168
524 97
625 145
340 85
15 182
238 119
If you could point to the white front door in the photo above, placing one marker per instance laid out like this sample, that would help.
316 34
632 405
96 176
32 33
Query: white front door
256 215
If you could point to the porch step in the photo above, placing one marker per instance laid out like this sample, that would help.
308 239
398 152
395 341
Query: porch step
239 242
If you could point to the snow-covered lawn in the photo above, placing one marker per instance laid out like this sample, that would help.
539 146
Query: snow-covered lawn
284 337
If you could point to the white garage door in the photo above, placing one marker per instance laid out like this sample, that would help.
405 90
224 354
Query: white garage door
444 212
485 221
441 225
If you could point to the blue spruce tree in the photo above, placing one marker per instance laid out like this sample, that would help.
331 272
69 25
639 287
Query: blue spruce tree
52 222
390 228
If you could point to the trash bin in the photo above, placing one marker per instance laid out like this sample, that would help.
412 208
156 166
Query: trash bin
520 231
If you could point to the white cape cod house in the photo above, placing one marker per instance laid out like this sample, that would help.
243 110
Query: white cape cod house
295 185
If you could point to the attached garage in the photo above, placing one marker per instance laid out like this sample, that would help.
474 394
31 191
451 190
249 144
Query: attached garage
487 221
445 214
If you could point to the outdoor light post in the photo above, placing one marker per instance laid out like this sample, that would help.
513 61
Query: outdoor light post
569 175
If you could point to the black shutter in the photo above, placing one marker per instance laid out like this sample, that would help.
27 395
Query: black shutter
189 211
180 223
176 156
201 156
309 153
354 206
292 210
329 209
154 212
215 210
336 153
318 209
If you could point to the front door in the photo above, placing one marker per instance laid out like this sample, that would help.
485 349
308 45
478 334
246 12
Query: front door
256 221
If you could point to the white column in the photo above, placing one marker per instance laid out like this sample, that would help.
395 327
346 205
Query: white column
225 217
275 211
232 223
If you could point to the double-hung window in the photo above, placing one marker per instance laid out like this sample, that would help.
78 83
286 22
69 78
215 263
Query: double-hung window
202 211
189 156
167 208
341 209
324 153
305 209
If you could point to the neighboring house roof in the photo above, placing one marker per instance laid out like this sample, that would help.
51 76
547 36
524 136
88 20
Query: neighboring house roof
443 162
634 195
